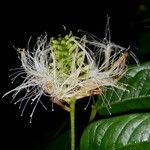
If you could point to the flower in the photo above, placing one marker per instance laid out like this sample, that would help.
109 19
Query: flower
68 67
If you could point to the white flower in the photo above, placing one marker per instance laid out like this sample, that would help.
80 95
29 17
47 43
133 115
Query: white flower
68 67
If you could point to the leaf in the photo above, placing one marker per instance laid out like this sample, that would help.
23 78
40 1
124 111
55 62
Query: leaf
61 143
137 82
128 132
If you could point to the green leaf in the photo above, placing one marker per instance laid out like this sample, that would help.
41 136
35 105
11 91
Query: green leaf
61 143
128 132
137 82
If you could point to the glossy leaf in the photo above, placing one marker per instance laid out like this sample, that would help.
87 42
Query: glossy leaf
136 97
128 132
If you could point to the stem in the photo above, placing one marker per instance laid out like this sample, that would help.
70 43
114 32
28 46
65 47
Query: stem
72 122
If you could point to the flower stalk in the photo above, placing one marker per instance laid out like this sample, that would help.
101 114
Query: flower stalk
72 123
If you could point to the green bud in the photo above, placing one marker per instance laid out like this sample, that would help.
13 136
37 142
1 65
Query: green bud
73 47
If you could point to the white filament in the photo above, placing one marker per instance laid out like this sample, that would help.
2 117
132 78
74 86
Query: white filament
43 77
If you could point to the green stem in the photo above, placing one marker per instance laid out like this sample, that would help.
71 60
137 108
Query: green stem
72 121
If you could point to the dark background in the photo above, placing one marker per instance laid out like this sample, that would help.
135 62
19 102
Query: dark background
129 25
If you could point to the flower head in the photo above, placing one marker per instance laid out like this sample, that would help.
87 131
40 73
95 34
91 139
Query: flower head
69 67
